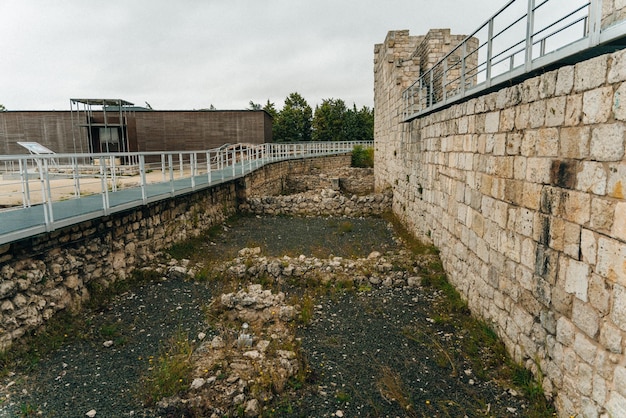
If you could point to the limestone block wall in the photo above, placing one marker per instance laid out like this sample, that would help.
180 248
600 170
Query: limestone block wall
523 192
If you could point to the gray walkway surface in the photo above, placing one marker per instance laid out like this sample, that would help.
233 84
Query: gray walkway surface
20 222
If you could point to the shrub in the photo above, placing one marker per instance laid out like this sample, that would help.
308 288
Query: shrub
362 157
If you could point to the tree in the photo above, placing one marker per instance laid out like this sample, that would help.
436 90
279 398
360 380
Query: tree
254 106
359 124
294 120
271 109
2 108
329 121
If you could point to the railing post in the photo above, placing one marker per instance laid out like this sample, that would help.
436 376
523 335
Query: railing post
181 165
431 89
192 169
530 25
103 183
142 176
595 22
76 176
45 193
489 53
234 158
208 166
170 161
163 167
23 165
113 176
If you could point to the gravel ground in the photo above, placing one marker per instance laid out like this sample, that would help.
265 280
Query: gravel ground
371 353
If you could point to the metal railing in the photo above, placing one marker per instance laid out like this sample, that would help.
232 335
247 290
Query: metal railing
40 193
523 36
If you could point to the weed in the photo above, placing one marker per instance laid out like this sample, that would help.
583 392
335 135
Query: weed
416 246
306 310
392 389
342 396
345 227
28 410
170 374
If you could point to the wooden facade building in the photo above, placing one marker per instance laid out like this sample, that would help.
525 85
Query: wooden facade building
143 130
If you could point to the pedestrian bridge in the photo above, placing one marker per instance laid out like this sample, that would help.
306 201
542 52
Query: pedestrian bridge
42 193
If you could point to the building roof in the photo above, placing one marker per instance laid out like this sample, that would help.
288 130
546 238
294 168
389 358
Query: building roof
103 102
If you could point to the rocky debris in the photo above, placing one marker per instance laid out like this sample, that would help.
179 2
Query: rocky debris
229 376
255 352
327 202
396 269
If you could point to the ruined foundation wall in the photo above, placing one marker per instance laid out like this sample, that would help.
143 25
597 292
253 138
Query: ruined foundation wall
52 272
523 192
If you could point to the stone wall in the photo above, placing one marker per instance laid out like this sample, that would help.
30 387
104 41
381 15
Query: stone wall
523 192
272 180
51 272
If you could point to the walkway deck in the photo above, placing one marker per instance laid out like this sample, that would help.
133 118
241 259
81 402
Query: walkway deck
20 222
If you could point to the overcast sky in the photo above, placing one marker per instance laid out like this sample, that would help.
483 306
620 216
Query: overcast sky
190 54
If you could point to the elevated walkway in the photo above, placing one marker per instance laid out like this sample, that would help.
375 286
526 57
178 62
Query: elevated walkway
47 204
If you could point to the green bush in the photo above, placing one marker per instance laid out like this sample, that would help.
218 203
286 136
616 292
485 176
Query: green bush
362 157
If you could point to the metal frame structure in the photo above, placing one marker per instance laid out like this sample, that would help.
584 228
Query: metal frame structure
72 191
554 31
82 114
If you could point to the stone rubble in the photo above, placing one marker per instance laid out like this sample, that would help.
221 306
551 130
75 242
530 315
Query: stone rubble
230 376
328 202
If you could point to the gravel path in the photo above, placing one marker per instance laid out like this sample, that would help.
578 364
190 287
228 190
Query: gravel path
375 352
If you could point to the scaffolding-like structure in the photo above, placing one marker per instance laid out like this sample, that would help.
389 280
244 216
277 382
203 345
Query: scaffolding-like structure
100 125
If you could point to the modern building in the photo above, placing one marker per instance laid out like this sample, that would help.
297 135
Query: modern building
115 125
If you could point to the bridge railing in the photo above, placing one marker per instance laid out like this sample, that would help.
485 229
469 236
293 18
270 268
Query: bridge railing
50 190
523 36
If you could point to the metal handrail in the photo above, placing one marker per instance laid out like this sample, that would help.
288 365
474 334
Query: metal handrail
572 26
45 186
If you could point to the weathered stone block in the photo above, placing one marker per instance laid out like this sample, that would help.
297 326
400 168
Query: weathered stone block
619 103
555 111
616 406
597 105
607 142
573 110
619 221
602 214
538 170
617 71
576 278
492 122
618 309
564 80
537 116
599 389
585 348
590 74
592 178
522 115
586 318
611 338
588 246
565 331
576 207
611 256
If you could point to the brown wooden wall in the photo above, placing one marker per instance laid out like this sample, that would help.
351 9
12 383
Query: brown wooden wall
154 130
51 129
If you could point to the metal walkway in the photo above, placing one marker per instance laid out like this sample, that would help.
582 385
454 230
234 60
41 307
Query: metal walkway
523 37
50 214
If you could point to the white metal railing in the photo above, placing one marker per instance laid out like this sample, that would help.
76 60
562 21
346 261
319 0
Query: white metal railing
523 36
123 180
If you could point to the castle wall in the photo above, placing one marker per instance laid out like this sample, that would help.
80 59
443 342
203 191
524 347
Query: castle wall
523 192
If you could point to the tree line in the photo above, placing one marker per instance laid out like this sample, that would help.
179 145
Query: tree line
331 121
